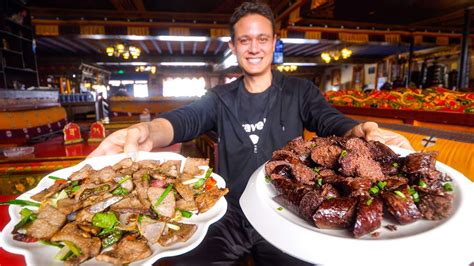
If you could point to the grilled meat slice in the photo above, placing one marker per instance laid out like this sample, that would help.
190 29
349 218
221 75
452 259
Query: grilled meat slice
354 164
171 168
326 155
126 251
420 162
89 246
401 206
48 192
285 155
167 206
49 221
191 166
83 173
186 205
369 216
182 235
435 204
184 191
291 191
336 213
394 182
303 174
206 200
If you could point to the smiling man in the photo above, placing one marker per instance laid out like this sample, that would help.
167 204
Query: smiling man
253 116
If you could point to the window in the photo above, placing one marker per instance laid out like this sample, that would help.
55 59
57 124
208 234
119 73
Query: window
140 90
176 87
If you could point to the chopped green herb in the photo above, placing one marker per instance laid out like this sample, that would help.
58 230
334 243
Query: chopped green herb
316 169
146 177
127 177
374 190
55 178
267 179
75 188
27 216
163 195
369 201
381 184
422 183
320 182
416 197
186 214
448 187
395 165
343 154
330 197
280 209
112 238
140 218
120 191
75 249
313 145
21 203
400 194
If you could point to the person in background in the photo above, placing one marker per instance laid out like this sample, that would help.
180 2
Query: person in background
253 116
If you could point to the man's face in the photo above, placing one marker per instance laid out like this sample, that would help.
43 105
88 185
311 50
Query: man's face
253 44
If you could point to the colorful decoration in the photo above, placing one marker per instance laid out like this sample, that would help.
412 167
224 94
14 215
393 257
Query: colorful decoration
72 133
432 99
97 132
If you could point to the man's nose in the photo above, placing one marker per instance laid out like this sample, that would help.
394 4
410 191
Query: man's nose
254 46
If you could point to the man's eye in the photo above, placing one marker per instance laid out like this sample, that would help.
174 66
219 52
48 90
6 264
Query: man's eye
263 40
244 41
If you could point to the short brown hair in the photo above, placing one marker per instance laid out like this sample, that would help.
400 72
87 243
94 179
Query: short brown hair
248 8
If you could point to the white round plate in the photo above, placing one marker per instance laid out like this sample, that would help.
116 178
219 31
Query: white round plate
445 242
39 254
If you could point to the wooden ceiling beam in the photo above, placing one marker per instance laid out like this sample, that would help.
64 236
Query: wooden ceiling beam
139 5
367 25
459 14
72 59
117 4
286 13
38 12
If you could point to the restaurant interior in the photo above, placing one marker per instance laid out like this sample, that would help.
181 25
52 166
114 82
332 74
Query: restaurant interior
72 72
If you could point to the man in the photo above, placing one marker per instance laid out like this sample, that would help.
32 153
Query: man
253 116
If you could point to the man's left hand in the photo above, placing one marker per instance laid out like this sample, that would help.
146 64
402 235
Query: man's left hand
371 131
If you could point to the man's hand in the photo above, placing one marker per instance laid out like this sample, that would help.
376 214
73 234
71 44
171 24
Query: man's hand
140 137
371 131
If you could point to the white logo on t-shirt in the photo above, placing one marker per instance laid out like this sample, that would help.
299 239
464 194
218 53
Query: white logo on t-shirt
249 128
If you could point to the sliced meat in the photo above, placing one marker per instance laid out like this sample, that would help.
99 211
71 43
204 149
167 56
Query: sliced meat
369 216
141 180
186 205
48 192
191 166
182 235
420 162
171 168
359 146
326 155
104 175
354 164
336 213
291 191
310 203
303 174
151 229
358 186
67 205
285 155
150 164
126 251
381 152
282 168
207 199
167 206
49 221
185 191
435 204
83 173
129 202
89 246
394 182
402 208
299 147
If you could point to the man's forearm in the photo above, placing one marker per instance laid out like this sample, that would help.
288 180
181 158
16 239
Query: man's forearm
161 132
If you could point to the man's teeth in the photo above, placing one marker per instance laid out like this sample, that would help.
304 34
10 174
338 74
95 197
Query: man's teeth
254 60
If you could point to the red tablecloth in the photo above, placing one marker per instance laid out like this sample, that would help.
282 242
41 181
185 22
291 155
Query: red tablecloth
5 257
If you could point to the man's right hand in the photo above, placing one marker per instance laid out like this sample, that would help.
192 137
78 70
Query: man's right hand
140 137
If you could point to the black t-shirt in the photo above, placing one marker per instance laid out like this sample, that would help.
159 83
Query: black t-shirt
252 112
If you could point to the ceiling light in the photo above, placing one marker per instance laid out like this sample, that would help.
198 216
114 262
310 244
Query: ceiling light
183 64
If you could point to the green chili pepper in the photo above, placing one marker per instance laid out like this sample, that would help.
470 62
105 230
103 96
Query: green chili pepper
104 220
163 195
112 238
